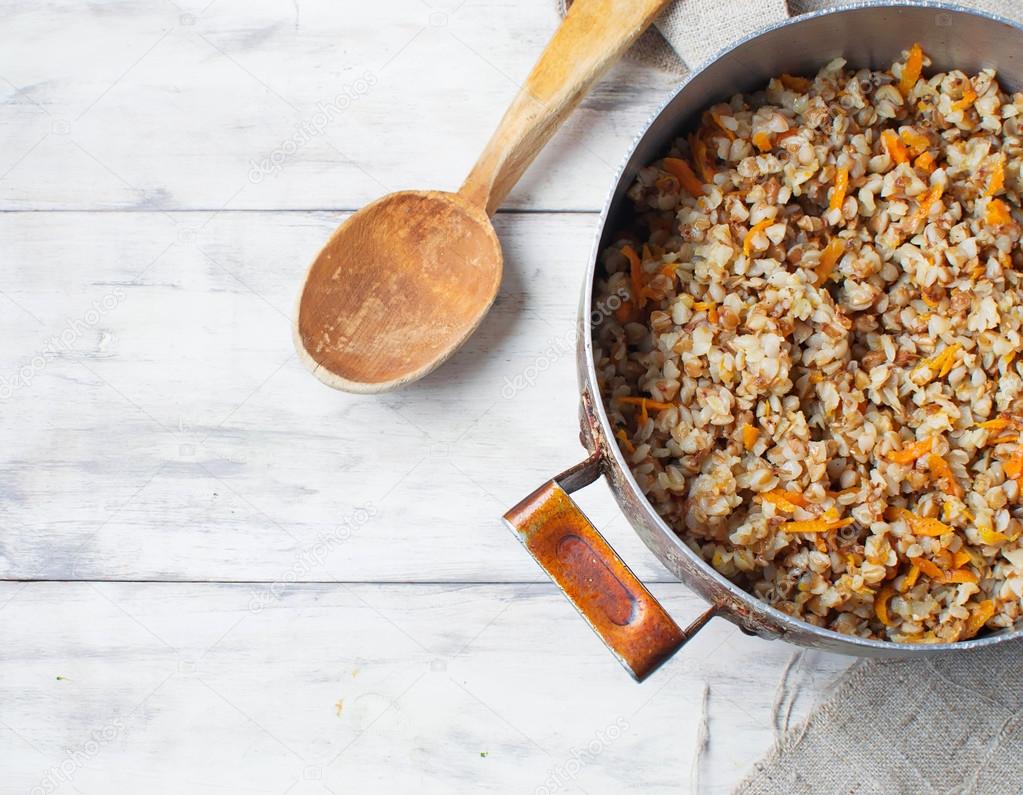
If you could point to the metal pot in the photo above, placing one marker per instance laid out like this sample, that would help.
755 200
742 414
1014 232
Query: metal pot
608 595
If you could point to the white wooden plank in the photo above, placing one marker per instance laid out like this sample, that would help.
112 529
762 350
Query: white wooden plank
170 104
386 688
174 435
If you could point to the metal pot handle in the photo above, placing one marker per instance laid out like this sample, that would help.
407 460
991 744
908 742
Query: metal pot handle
619 608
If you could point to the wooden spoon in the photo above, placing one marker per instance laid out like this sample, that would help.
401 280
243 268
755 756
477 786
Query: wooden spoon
405 281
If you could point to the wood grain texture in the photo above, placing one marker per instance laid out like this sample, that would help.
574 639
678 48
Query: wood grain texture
263 104
164 172
431 689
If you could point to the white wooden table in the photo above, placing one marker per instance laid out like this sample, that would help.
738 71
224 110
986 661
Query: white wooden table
219 575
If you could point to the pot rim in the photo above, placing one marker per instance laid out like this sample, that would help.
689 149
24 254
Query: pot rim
588 377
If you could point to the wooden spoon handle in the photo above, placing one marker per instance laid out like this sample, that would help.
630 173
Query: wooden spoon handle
591 38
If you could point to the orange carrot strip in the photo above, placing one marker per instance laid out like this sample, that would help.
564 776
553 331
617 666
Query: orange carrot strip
925 162
916 142
623 438
911 71
997 181
911 452
997 424
927 201
762 141
922 526
795 83
927 567
992 537
720 125
699 149
958 575
969 97
747 241
997 213
749 435
635 275
960 558
841 186
881 604
829 258
940 470
975 623
815 525
624 313
911 577
642 402
681 170
1014 466
787 501
893 145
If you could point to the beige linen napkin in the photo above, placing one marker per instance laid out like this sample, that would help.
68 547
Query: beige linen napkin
952 725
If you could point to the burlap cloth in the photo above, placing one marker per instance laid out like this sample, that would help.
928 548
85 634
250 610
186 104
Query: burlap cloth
952 725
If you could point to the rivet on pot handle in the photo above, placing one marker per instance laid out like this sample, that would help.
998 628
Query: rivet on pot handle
609 596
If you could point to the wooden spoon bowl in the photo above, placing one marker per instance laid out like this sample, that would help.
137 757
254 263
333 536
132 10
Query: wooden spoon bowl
403 282
399 286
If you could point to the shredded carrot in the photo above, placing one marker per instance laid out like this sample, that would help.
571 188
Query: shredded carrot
992 537
749 435
635 275
668 271
960 558
712 314
626 445
720 125
896 149
786 501
940 470
762 141
948 360
969 97
747 241
699 149
925 162
922 526
624 313
943 362
911 577
881 604
997 181
975 623
841 186
643 402
997 213
829 258
911 71
911 452
795 83
915 141
681 170
815 525
1005 438
958 575
1014 466
927 567
928 201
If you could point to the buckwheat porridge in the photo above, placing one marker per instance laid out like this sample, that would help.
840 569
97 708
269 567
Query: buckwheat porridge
815 377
